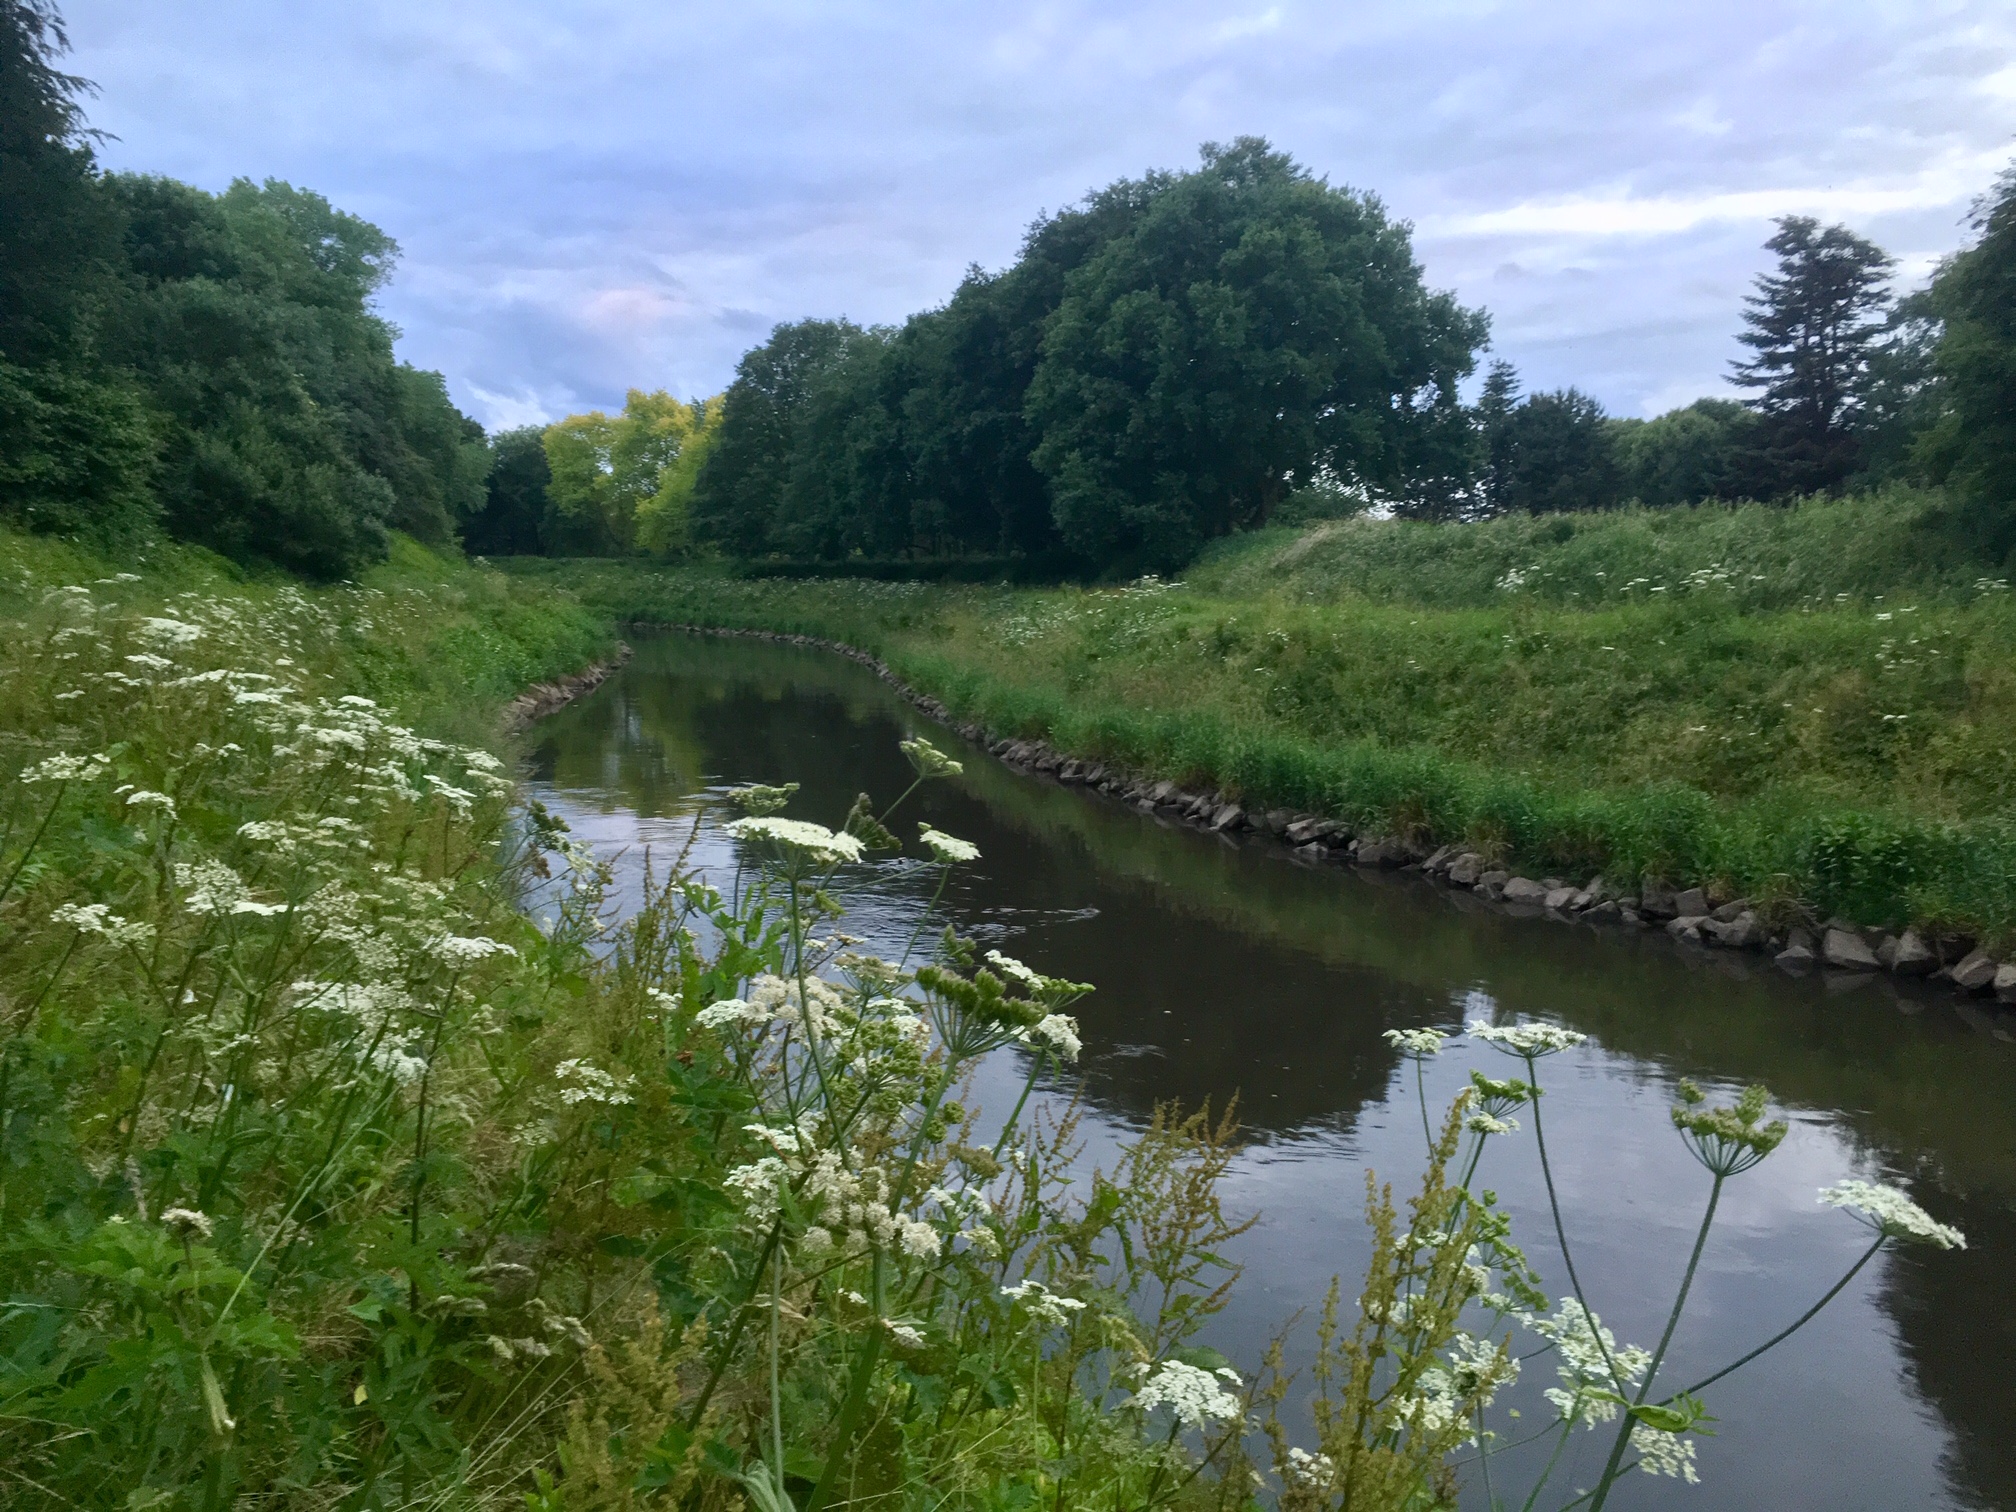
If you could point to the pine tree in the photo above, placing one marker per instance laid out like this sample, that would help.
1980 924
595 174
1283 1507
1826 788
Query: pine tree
1814 325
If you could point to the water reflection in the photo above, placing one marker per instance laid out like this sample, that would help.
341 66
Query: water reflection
1228 970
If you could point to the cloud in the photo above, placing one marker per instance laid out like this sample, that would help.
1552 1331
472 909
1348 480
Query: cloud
618 193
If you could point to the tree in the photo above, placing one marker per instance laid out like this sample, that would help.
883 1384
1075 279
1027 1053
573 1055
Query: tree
513 518
1702 451
1972 446
1813 325
738 498
1247 326
1556 452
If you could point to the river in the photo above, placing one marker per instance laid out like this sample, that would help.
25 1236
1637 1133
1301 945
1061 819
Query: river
1225 969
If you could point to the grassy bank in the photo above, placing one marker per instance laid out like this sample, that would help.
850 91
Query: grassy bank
1843 738
331 1177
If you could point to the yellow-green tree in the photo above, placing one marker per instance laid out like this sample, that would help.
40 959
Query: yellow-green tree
632 472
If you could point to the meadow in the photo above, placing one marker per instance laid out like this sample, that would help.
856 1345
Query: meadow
1813 706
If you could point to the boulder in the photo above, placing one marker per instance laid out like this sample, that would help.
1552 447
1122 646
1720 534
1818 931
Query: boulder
1795 957
1744 932
1630 917
1492 883
1230 817
1466 869
1523 890
2005 983
1975 973
1563 898
1162 792
1656 901
1913 957
1687 927
1730 911
1301 831
1606 910
1277 821
1381 851
1440 860
1072 771
1691 904
1845 948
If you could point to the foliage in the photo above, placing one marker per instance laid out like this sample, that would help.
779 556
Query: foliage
517 517
1554 452
1814 325
628 479
210 361
1689 455
1973 444
1162 364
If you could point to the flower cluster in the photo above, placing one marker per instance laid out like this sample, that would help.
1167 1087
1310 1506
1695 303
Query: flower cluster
1195 1396
1892 1214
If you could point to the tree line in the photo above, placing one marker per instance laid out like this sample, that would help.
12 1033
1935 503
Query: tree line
1176 357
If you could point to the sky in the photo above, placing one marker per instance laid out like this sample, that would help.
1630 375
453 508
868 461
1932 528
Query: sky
604 194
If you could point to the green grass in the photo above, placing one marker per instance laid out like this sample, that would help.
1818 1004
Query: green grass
1850 742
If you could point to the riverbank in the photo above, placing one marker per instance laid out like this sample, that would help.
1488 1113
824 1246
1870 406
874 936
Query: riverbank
1851 759
328 1172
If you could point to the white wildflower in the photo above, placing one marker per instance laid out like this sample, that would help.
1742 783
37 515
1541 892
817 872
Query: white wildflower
1310 1472
759 1185
466 950
1662 1453
731 1011
947 848
587 1083
1195 1396
256 908
817 1240
1416 1042
1892 1214
150 661
169 632
928 760
62 768
186 1224
814 840
399 1063
142 798
212 886
1485 1123
1043 1304
918 1238
1526 1039
1057 1033
905 1335
98 919
1015 971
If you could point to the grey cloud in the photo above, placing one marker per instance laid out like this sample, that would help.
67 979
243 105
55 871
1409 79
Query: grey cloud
623 192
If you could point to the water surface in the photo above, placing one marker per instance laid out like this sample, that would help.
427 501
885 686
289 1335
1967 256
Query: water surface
1226 969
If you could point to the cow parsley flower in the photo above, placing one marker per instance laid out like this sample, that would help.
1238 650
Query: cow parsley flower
947 848
186 1224
1663 1453
1043 1304
64 768
1891 1214
1416 1042
1015 971
169 632
1057 1033
928 760
465 950
731 1011
815 841
142 798
1309 1472
918 1238
1528 1040
759 1185
98 919
1485 1123
1196 1396
583 1082
905 1335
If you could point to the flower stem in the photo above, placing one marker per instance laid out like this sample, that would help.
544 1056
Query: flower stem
1783 1334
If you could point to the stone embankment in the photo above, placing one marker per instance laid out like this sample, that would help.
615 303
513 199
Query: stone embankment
1788 932
541 699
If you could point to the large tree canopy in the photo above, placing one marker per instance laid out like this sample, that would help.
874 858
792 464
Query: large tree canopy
1161 364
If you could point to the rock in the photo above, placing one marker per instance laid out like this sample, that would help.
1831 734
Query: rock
1562 898
1047 760
1466 869
1380 851
1656 901
1691 904
1313 852
1333 834
1913 957
1842 947
1301 831
1523 890
1630 917
1744 932
1440 860
1730 911
1072 771
1162 792
1606 911
1277 821
1688 927
1795 957
1975 973
1492 884
1803 939
1230 817
2005 983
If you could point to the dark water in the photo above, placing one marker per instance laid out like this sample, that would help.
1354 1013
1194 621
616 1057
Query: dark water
1224 969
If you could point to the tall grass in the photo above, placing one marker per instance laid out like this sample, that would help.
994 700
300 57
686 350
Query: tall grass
329 1176
1856 754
